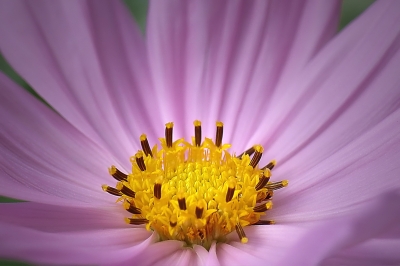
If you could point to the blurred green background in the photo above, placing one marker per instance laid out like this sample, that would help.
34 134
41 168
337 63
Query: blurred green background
350 10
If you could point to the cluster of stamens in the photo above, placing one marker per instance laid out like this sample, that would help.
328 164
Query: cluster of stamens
195 192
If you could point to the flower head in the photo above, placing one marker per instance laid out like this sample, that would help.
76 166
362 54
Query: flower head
324 105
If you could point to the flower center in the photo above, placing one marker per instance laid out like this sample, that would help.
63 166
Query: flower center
195 192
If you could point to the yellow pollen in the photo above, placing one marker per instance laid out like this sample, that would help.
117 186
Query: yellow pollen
197 192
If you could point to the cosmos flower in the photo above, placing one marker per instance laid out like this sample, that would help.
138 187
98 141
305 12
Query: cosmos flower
324 105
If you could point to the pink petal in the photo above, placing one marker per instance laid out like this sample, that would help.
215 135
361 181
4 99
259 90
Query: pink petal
87 60
212 256
330 237
157 252
60 219
44 158
267 244
63 235
373 252
344 135
206 56
352 79
340 184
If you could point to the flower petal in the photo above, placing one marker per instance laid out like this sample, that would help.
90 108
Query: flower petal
66 235
157 252
350 85
59 219
267 244
87 60
373 252
43 157
347 231
343 182
215 53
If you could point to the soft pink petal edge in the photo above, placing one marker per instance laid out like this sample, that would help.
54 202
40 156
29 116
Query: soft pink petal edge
44 158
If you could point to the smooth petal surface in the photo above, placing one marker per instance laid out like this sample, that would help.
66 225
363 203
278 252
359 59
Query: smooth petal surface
380 215
44 158
216 53
379 250
351 79
344 135
267 244
53 219
87 60
69 235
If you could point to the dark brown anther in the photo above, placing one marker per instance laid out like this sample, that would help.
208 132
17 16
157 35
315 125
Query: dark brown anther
126 190
263 207
248 152
264 222
199 212
263 180
172 224
131 208
182 203
241 233
269 195
136 221
157 190
140 161
111 190
145 145
197 132
277 185
117 174
257 156
168 133
219 134
230 192
270 165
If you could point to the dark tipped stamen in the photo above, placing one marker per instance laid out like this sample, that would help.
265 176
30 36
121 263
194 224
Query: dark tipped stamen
248 152
140 161
219 134
263 207
269 195
264 222
117 174
241 233
270 165
263 180
132 209
111 190
145 145
257 156
127 191
199 212
136 221
157 190
197 132
182 203
277 185
172 224
168 133
230 192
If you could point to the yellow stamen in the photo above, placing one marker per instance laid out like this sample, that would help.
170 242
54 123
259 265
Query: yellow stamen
197 132
140 160
219 134
145 145
168 133
257 155
196 192
117 174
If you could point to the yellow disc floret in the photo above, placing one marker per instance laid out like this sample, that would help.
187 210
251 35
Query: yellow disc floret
195 192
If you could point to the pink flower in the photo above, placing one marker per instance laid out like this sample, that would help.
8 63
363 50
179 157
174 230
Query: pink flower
324 105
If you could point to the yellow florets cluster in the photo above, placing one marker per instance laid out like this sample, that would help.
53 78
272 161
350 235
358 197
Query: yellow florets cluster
195 192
